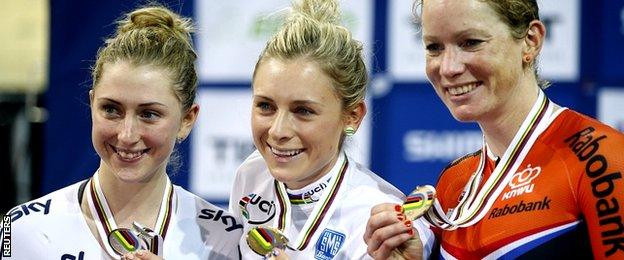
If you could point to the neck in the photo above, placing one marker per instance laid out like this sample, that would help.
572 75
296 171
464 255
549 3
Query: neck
133 201
500 129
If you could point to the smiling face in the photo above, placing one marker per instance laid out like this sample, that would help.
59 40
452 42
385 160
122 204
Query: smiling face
297 120
136 119
473 62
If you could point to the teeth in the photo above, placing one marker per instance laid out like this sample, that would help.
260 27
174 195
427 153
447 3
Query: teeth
127 155
285 152
456 91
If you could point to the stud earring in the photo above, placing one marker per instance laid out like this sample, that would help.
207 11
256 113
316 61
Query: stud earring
527 58
349 131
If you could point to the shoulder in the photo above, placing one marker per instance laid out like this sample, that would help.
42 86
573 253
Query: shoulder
574 135
253 163
367 187
62 201
454 176
205 215
253 172
461 166
571 126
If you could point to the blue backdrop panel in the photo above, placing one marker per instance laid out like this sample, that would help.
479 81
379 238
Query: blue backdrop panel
612 37
409 107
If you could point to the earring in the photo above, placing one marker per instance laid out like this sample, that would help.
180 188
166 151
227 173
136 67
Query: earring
527 58
349 131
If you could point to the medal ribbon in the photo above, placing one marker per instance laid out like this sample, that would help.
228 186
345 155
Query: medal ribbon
320 209
475 202
105 221
309 194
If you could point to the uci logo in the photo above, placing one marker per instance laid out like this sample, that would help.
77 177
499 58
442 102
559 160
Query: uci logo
256 210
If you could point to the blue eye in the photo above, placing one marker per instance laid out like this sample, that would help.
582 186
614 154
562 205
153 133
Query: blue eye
264 106
110 110
149 115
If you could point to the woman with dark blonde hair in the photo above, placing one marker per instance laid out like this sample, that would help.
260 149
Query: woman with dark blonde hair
546 184
142 105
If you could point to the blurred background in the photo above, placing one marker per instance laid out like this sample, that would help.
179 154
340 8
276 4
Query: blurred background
48 47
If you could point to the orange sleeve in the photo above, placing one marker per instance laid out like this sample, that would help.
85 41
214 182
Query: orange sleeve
596 156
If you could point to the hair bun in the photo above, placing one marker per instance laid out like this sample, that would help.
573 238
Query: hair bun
157 17
319 10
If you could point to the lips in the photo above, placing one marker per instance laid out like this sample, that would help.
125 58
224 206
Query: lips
128 155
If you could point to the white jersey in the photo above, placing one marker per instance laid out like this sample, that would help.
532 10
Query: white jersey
331 225
53 227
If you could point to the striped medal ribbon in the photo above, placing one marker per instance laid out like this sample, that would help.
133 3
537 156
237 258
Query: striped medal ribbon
105 221
475 202
323 207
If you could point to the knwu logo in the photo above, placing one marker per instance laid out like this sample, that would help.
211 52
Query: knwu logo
521 182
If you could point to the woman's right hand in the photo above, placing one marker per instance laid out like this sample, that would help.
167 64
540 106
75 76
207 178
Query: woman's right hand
390 235
141 255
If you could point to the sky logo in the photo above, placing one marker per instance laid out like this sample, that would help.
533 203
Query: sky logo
328 244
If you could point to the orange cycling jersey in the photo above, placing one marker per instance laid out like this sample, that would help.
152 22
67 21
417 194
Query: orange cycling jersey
565 200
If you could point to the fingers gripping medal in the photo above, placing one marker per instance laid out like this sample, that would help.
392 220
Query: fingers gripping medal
419 201
263 240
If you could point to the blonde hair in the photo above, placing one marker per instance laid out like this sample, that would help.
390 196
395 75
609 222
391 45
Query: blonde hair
312 32
154 35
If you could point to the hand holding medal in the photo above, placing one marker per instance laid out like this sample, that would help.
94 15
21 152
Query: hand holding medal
263 240
419 201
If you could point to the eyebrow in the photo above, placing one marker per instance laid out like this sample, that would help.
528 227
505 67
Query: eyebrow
296 102
460 34
141 105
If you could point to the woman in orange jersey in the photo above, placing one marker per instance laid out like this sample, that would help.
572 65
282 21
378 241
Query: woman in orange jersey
548 180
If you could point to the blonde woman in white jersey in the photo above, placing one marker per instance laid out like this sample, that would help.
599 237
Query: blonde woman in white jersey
309 86
142 104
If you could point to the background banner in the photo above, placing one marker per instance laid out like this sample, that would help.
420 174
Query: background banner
408 136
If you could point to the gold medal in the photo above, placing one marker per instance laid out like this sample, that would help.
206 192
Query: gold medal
263 240
419 201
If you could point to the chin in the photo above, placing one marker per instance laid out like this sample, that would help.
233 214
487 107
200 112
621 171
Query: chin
462 115
131 176
464 118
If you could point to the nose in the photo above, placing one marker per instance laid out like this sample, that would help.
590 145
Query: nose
281 127
128 134
452 64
